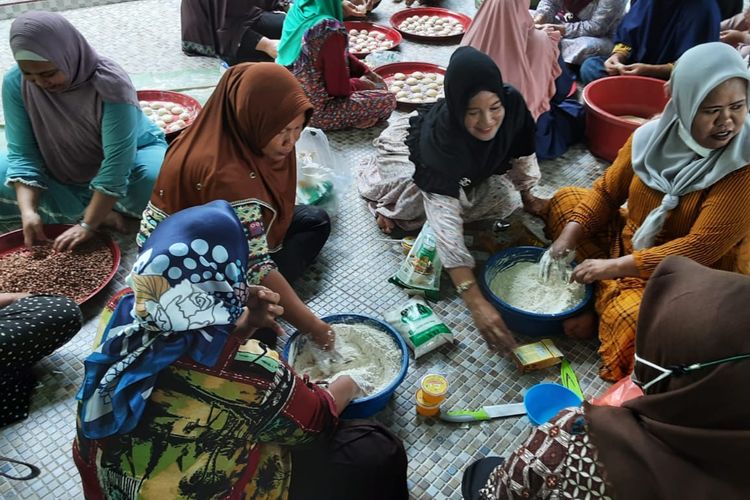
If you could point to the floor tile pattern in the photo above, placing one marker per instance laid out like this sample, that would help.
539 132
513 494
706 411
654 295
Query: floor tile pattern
350 275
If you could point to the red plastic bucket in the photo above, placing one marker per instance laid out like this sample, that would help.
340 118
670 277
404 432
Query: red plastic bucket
608 99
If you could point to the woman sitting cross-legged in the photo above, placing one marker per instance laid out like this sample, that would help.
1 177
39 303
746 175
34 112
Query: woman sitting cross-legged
462 159
177 403
241 148
344 91
79 146
686 179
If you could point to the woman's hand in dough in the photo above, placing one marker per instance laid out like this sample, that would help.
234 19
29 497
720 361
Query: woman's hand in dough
323 336
33 229
264 308
491 326
72 238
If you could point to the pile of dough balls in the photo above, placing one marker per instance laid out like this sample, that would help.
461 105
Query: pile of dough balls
417 87
431 26
364 42
170 117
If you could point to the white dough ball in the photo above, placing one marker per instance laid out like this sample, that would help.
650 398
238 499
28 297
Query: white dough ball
399 76
167 118
148 111
156 105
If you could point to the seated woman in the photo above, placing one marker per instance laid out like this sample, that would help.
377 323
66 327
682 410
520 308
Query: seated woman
687 437
79 146
343 89
175 400
654 34
32 326
462 159
235 30
529 61
586 26
686 180
241 149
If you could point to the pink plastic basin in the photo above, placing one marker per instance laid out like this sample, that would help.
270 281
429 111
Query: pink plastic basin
610 98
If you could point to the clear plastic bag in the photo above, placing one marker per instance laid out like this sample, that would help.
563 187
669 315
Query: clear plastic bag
420 270
320 174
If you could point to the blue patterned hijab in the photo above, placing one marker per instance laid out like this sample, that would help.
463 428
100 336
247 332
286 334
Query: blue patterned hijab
188 291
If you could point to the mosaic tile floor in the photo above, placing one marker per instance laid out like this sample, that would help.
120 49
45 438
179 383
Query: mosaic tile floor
350 275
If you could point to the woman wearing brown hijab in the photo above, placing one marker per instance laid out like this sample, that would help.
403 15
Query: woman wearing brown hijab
687 437
241 149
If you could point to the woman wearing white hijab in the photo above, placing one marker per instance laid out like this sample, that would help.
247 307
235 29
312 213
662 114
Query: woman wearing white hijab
686 180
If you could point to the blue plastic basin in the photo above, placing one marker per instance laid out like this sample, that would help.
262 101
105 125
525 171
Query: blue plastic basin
369 405
525 322
544 401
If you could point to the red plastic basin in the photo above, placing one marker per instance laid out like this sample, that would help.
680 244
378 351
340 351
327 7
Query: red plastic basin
608 99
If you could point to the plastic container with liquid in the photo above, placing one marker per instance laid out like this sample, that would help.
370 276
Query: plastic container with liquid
425 409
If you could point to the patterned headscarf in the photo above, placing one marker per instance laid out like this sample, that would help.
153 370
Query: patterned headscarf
188 291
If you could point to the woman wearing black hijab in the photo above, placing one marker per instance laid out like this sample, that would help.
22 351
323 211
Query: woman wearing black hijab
459 160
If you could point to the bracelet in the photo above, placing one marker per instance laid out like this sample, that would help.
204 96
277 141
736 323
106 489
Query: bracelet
87 227
464 285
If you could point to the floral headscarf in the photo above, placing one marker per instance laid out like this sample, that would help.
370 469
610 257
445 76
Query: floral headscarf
188 291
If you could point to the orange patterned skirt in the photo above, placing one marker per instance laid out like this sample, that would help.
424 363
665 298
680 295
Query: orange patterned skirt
616 301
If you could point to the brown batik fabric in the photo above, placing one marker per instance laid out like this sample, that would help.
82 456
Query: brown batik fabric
557 461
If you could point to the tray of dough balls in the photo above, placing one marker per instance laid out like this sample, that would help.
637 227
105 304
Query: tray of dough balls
430 23
171 111
414 83
365 38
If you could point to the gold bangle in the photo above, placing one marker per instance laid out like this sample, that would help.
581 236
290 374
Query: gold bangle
464 285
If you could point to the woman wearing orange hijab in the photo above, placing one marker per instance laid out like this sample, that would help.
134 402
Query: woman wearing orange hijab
241 149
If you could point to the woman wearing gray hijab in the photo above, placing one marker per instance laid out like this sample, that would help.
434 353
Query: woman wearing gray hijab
686 181
79 147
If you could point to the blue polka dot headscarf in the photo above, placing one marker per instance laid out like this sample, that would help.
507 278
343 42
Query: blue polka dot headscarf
188 291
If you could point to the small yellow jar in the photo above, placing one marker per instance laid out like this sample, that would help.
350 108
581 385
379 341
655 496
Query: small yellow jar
426 409
434 388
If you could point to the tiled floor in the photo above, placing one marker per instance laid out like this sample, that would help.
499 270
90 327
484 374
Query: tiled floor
351 275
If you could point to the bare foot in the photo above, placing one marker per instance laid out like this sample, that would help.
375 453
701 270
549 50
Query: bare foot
536 206
385 224
581 327
366 123
116 221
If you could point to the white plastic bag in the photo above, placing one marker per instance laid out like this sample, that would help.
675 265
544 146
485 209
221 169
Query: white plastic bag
320 174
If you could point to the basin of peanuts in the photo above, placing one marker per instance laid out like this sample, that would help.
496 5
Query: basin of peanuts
78 274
